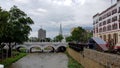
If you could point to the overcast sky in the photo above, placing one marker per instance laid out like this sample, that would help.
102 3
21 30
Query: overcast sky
50 13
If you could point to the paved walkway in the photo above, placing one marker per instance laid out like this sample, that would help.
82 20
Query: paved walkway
42 60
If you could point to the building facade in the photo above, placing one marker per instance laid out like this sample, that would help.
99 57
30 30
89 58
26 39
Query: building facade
41 34
107 24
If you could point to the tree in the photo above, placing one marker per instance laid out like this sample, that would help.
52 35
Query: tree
58 38
69 39
4 17
47 39
4 28
4 25
14 27
78 34
20 24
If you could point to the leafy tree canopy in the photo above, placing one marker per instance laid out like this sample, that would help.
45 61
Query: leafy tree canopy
58 38
78 34
14 26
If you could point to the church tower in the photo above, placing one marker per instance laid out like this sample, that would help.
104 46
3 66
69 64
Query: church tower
60 32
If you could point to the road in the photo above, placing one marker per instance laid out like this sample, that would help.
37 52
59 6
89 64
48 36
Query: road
42 60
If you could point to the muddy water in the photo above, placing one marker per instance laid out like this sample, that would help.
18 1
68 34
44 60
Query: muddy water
42 60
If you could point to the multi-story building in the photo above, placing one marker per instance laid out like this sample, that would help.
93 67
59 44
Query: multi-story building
41 34
107 24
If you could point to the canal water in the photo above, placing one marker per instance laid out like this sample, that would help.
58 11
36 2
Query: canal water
42 60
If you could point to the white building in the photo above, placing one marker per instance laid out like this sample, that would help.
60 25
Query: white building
41 34
107 24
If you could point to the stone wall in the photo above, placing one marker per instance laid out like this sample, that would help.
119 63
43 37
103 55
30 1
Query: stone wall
105 59
94 59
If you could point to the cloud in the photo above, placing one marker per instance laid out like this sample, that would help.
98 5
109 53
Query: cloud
50 13
22 1
41 10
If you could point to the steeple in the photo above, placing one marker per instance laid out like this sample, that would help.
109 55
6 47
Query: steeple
60 33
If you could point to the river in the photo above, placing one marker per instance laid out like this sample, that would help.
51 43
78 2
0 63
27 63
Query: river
42 60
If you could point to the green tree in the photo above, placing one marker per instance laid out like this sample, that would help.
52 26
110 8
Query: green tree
14 27
4 16
69 39
47 39
4 25
20 26
58 38
78 34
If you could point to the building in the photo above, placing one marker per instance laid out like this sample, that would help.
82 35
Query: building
41 34
107 24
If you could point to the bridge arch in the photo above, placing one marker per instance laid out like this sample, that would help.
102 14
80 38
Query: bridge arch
38 48
21 48
61 49
49 48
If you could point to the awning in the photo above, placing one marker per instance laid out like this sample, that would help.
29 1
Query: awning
101 43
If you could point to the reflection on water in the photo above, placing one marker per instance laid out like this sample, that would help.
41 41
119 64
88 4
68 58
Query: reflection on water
42 60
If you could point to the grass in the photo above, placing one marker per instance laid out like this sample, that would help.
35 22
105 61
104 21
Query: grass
7 62
73 63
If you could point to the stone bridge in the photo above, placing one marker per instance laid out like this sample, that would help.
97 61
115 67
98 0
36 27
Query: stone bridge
43 45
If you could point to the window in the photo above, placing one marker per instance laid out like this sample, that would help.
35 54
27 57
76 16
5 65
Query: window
96 30
108 14
104 23
119 25
100 18
96 22
114 18
93 22
119 10
119 17
93 30
114 11
100 30
104 29
100 24
108 21
109 27
114 26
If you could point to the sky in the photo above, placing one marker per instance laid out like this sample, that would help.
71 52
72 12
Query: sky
49 14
